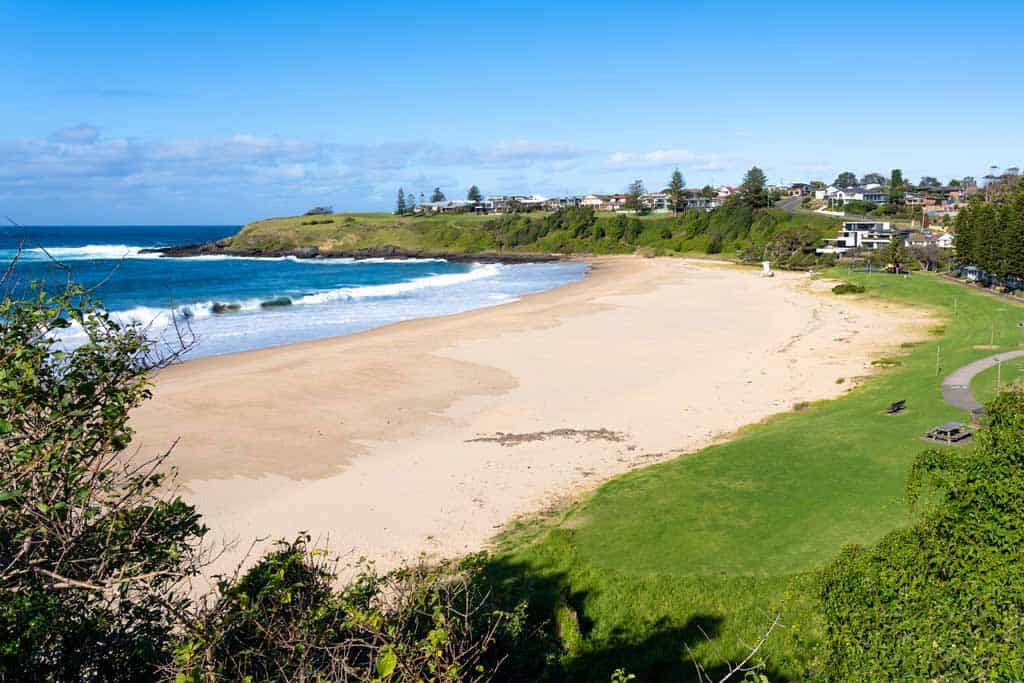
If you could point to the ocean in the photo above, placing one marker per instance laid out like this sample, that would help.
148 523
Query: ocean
327 297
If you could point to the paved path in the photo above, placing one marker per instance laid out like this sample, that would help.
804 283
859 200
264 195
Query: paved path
956 388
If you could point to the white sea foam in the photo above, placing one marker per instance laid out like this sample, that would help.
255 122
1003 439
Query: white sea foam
478 272
90 252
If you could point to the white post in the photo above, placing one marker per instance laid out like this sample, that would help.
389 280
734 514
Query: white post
938 351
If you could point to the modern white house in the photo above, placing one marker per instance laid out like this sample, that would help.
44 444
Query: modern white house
838 196
450 206
861 235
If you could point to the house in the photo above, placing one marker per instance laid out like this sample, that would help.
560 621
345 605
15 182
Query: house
657 202
837 196
695 199
798 189
556 203
449 206
506 203
861 235
927 238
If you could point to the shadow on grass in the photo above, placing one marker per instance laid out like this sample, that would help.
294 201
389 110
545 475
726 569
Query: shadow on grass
565 643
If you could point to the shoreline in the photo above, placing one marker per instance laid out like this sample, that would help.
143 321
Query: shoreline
430 435
385 251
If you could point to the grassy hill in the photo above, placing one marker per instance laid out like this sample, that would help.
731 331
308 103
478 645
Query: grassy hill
730 231
701 551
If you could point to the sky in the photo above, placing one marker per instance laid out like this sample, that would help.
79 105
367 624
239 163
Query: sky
226 112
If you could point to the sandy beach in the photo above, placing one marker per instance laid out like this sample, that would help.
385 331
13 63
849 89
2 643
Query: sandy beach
428 436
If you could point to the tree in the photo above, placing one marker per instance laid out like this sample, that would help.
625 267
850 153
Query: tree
633 194
872 179
953 182
930 181
707 192
896 187
411 201
437 196
400 204
752 191
95 551
675 190
474 194
846 179
895 254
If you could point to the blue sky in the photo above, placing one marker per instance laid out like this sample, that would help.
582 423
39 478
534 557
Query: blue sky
225 112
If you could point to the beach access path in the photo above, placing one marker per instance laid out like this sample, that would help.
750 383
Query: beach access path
428 436
956 387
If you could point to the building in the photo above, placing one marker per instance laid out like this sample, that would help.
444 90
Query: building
927 238
556 203
657 202
799 189
448 206
857 235
838 196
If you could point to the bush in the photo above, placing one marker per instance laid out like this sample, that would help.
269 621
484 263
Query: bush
94 557
283 620
944 599
847 288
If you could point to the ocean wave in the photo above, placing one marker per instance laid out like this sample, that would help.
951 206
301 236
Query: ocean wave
154 317
478 272
116 252
89 252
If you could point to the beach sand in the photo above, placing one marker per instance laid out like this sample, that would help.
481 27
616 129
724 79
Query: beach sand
384 444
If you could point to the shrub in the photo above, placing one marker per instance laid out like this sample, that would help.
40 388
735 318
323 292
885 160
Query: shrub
93 555
847 288
283 620
943 599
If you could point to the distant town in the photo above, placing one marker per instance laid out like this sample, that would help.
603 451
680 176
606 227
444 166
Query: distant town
879 210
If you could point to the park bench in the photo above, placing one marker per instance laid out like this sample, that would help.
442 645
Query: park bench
896 407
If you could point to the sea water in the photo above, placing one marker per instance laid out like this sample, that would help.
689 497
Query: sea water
326 297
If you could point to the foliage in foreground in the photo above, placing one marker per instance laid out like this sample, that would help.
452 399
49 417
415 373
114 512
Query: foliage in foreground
944 599
284 619
92 555
97 552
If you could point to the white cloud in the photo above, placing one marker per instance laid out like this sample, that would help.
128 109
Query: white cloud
82 134
663 158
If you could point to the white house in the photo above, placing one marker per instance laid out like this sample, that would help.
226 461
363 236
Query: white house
450 206
860 235
868 193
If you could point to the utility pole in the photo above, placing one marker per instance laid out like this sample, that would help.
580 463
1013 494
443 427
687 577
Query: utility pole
938 352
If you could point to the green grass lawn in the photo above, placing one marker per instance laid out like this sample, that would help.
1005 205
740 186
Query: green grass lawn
986 384
722 539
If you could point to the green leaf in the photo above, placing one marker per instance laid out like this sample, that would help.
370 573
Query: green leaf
386 663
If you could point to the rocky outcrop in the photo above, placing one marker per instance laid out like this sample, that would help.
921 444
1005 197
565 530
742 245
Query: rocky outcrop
223 247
